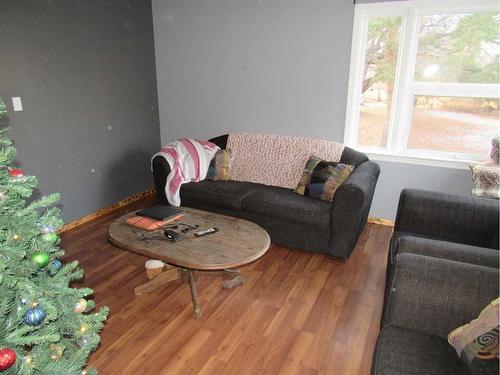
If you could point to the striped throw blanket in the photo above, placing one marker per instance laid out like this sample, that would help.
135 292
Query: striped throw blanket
189 161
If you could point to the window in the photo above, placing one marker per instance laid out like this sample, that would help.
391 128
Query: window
424 80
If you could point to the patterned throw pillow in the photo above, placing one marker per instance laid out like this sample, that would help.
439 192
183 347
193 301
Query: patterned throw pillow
219 169
485 180
321 179
476 343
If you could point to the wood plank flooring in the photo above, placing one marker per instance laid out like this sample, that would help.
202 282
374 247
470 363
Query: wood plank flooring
297 313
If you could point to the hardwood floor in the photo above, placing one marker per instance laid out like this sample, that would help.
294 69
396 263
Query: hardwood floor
297 313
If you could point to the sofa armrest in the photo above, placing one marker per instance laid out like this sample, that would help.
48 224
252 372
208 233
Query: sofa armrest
435 296
161 169
468 220
350 207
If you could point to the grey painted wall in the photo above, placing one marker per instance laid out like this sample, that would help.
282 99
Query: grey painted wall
396 176
86 73
275 66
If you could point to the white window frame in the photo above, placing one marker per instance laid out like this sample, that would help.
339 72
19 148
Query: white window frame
405 89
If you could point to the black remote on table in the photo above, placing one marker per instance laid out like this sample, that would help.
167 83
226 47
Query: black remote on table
205 232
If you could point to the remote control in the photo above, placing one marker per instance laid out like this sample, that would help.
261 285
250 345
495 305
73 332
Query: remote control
206 231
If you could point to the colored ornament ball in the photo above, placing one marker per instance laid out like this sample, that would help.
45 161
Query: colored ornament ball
84 341
34 316
47 228
56 351
56 264
15 172
50 237
80 306
40 258
7 358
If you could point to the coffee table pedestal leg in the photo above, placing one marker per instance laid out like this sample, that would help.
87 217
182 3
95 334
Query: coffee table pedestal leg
194 294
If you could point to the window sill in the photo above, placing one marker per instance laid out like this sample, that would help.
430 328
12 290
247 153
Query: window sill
420 160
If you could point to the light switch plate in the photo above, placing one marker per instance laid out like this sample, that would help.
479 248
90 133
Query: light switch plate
17 104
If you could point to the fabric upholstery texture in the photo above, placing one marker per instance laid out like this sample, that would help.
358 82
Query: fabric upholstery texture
276 160
284 204
481 256
220 166
226 194
435 296
428 298
352 157
404 351
485 180
351 206
468 220
476 343
447 226
320 178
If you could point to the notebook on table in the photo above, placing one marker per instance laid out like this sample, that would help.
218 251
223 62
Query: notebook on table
159 212
154 217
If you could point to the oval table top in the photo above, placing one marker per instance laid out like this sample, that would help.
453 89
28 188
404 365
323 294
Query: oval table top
238 242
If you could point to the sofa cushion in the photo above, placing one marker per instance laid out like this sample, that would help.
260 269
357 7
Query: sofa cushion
481 256
352 157
285 204
321 178
404 351
219 168
225 194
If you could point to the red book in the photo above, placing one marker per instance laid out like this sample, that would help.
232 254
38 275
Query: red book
148 223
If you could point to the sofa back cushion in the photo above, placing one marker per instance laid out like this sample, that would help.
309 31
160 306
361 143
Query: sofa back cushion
276 160
220 141
352 157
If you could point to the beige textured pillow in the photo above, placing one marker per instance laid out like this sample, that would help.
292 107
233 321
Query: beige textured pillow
476 343
485 180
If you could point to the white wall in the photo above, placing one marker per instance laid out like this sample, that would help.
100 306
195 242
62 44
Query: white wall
274 66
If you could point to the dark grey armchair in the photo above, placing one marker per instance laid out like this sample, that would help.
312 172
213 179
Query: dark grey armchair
463 229
438 224
428 298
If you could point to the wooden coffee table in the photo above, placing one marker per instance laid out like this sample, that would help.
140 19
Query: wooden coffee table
237 243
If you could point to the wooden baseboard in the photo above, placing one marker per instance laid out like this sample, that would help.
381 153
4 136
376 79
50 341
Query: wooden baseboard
149 194
379 221
107 210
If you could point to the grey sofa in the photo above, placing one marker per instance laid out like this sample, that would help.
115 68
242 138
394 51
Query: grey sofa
428 298
290 219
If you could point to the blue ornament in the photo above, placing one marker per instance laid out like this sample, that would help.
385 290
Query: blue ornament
47 228
56 264
34 316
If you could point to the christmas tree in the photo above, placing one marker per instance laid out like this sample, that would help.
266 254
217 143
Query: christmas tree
46 327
